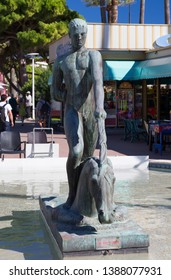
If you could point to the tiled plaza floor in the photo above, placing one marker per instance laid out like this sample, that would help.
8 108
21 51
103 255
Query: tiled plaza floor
115 143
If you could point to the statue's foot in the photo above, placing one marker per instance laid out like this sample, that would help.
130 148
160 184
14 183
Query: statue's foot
68 203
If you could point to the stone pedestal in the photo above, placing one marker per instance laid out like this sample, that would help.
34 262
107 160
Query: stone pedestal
93 238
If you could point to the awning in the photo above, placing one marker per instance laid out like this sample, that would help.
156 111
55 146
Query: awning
121 70
155 68
137 70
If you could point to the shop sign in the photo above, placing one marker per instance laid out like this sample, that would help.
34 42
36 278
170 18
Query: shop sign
126 85
163 41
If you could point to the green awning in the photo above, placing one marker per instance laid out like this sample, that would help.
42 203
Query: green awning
155 68
121 70
137 70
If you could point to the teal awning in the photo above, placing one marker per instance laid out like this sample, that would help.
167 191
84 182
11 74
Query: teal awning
121 70
155 68
137 70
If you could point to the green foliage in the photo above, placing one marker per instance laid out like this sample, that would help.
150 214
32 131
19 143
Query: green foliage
29 26
28 22
41 82
41 86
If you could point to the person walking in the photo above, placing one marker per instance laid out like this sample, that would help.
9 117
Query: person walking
13 102
28 104
43 109
6 110
22 109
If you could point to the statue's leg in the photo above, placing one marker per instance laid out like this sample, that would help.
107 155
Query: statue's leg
74 134
90 136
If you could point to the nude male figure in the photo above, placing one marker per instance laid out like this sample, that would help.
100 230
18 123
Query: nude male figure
81 70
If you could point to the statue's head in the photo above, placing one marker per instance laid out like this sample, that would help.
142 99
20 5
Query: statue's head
78 32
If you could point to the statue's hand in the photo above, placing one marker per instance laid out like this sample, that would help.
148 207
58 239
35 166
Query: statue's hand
100 114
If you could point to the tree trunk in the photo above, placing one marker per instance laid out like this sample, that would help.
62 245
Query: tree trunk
167 11
142 11
113 11
22 72
103 11
13 81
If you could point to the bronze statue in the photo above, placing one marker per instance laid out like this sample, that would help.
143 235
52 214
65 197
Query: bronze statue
83 97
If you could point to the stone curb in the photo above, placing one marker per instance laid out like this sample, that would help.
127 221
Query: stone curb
160 165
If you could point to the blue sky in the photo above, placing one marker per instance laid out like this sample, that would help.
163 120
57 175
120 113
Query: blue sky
154 11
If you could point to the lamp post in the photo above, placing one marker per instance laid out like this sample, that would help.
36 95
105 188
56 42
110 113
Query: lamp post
32 57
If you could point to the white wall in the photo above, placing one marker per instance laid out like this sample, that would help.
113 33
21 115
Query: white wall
117 37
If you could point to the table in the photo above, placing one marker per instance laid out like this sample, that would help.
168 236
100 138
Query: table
159 130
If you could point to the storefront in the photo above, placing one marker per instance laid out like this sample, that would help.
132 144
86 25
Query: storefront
119 102
138 89
123 98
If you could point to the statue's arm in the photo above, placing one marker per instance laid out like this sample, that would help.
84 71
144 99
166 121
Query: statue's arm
97 75
57 91
100 114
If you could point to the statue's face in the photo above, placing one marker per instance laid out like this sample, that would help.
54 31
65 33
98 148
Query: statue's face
78 37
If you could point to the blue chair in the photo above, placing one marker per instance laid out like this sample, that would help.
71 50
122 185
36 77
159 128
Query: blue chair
161 141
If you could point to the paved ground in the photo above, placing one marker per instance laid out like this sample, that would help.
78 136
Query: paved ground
115 143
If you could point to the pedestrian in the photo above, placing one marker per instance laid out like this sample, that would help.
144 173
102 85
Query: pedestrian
22 109
6 121
28 104
13 102
43 112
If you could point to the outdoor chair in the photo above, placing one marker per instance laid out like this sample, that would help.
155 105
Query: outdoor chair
10 143
40 137
37 138
127 129
137 131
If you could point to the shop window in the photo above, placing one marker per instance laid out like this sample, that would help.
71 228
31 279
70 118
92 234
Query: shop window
110 103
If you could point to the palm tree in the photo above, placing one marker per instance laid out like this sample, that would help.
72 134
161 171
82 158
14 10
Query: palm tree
111 6
112 9
167 11
102 4
142 11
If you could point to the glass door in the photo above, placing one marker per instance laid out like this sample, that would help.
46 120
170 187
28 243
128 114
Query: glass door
125 98
110 104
